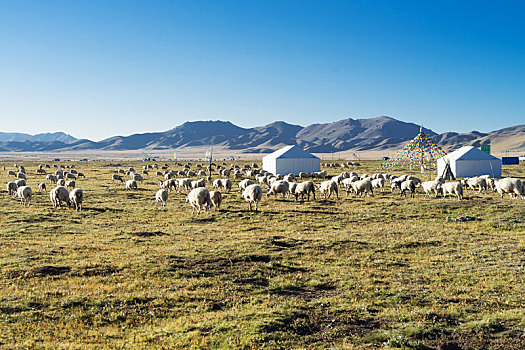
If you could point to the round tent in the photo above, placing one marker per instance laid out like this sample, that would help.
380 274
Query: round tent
468 161
421 151
291 160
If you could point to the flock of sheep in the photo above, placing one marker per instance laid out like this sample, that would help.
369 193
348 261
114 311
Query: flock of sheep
58 195
253 180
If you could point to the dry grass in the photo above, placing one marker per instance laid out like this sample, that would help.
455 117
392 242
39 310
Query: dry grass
346 273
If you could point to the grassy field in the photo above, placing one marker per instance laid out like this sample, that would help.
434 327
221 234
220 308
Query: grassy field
381 272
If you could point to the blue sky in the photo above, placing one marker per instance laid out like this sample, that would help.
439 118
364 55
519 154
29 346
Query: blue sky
96 69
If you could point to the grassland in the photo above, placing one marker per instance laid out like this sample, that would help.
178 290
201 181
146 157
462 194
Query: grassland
348 273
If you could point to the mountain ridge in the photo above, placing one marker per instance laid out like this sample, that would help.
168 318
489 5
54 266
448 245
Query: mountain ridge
379 133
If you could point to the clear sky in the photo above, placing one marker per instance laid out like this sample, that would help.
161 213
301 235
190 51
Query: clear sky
96 69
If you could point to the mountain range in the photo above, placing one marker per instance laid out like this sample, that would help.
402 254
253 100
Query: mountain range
379 133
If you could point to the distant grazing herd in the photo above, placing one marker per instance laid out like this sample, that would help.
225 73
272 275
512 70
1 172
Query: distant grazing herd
252 181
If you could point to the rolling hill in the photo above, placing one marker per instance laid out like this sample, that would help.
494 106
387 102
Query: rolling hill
377 134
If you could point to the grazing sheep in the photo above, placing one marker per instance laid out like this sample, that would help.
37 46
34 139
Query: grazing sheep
198 183
347 183
131 184
328 188
42 186
226 184
474 182
289 178
21 176
58 195
199 198
11 188
363 186
320 174
121 171
252 194
279 186
168 184
161 197
510 185
51 178
451 188
138 178
216 199
431 187
76 197
24 193
305 187
70 176
183 184
20 183
245 183
71 183
408 185
379 182
116 177
61 182
11 173
337 179
303 175
40 171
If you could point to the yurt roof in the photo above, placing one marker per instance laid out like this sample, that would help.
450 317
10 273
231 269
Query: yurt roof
469 153
291 151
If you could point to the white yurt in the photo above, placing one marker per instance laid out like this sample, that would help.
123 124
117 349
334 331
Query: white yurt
469 161
291 160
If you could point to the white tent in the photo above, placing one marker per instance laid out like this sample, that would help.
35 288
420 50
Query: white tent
291 160
469 161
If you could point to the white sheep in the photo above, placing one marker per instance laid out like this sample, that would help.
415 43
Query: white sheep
289 178
198 183
305 187
42 186
379 182
226 184
245 183
199 198
131 184
473 182
279 186
408 185
252 194
216 199
161 197
510 185
363 186
24 193
183 184
61 182
58 195
327 188
12 187
76 197
347 184
51 178
168 184
70 183
451 188
303 175
431 187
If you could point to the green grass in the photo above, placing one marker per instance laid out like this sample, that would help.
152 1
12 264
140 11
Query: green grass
347 273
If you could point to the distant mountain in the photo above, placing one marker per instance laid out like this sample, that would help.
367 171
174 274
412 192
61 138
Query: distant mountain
348 134
46 137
